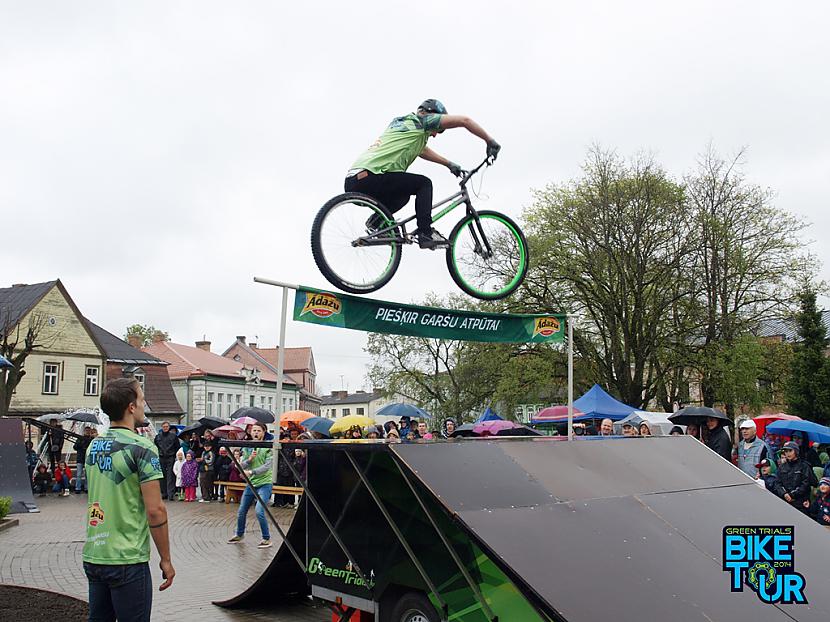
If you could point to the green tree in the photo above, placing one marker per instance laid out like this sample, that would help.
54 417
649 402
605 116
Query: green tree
146 334
807 393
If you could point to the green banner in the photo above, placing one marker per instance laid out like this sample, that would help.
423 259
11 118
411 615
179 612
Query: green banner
378 316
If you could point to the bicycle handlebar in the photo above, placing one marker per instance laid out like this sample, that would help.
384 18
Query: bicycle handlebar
467 175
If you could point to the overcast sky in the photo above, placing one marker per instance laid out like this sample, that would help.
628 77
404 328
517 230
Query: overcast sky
156 156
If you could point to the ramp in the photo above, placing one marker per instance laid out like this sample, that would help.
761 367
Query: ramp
14 476
537 529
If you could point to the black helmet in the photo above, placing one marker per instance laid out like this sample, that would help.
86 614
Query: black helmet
432 105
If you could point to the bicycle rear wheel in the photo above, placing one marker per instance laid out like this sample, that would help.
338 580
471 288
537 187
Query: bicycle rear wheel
347 263
488 256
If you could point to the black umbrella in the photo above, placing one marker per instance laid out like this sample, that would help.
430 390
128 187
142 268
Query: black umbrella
211 423
260 414
197 428
84 417
522 430
696 415
464 430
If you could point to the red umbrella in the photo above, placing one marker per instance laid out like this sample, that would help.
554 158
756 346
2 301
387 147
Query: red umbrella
229 431
762 421
554 414
491 428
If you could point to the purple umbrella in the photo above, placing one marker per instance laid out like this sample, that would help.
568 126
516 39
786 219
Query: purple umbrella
493 427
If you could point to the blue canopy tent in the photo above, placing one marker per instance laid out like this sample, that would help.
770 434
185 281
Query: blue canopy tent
595 404
4 362
488 415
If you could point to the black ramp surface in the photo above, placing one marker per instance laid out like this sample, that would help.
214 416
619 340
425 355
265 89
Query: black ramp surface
14 475
624 529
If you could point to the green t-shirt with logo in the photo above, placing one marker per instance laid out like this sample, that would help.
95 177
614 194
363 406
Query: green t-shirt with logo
260 465
399 145
117 463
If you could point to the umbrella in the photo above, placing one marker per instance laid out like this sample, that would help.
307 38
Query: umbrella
294 416
244 422
519 430
815 432
84 417
212 423
696 415
229 431
464 430
400 409
48 418
554 414
260 414
196 428
762 421
4 362
320 425
488 415
494 426
344 423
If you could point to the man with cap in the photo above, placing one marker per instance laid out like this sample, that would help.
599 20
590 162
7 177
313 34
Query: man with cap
794 476
404 425
765 476
820 510
751 449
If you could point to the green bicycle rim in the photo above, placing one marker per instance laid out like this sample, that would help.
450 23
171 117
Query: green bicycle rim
519 272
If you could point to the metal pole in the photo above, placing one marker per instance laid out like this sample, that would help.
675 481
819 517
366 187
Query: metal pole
280 370
569 320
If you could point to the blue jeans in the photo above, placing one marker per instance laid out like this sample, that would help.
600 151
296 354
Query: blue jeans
79 476
123 593
62 485
245 504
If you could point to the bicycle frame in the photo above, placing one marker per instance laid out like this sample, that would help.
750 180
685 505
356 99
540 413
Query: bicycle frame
454 200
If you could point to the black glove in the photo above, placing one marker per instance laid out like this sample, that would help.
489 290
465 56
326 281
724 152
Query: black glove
455 169
493 149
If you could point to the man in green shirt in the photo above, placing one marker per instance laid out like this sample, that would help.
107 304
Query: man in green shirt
380 171
257 466
124 510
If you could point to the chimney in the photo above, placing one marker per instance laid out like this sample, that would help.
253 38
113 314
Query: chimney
240 338
134 341
253 344
340 395
158 337
203 345
19 285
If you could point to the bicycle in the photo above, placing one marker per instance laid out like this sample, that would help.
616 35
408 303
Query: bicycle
487 255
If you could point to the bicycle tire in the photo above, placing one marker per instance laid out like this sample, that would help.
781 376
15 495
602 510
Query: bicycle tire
521 269
325 266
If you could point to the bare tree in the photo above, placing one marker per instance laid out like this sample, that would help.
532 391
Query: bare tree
16 344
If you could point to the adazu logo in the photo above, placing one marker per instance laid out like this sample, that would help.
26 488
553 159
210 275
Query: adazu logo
545 326
321 305
96 514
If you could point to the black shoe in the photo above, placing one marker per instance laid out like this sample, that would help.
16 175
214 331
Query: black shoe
432 240
373 223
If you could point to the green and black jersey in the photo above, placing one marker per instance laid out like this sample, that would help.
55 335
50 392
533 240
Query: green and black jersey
117 463
398 146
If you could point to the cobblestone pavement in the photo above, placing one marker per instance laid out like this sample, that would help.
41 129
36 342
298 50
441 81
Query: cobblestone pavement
45 551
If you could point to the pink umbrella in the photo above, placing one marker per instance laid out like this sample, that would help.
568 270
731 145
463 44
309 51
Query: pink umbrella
244 422
493 427
229 431
554 414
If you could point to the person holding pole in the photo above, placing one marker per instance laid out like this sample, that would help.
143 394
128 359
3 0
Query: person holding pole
257 466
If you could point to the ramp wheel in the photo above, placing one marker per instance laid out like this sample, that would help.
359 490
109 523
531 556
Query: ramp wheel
414 607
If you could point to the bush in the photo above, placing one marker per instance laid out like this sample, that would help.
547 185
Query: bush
5 506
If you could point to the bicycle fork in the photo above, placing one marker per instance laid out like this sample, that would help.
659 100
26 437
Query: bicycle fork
481 243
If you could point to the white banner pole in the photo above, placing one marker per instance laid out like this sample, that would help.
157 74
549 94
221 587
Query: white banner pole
280 369
569 320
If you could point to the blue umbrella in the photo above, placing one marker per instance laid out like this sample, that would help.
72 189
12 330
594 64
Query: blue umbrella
4 362
815 432
399 409
321 425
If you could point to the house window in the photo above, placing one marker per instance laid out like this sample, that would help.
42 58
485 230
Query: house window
251 399
220 398
262 401
345 411
359 411
210 405
50 378
91 383
140 377
238 401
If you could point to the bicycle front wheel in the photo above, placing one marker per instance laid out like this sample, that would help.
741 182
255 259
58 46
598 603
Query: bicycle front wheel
338 243
488 255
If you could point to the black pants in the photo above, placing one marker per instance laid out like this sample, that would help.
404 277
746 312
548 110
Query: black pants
393 191
206 479
168 482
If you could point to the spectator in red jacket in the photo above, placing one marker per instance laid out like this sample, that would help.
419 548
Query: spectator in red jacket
63 475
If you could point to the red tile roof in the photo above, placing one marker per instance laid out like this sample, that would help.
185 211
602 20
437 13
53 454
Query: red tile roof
296 359
186 361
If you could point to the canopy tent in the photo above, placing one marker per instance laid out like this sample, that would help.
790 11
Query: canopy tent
658 422
595 404
488 415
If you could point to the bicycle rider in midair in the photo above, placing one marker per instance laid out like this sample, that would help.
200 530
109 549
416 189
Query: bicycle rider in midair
380 171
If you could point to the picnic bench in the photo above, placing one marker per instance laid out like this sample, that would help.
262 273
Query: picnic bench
277 490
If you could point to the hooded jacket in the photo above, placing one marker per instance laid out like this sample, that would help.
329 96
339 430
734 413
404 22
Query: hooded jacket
794 479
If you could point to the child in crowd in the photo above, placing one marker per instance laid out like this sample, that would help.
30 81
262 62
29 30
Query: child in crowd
820 510
190 477
42 480
177 471
31 459
63 475
206 474
235 476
